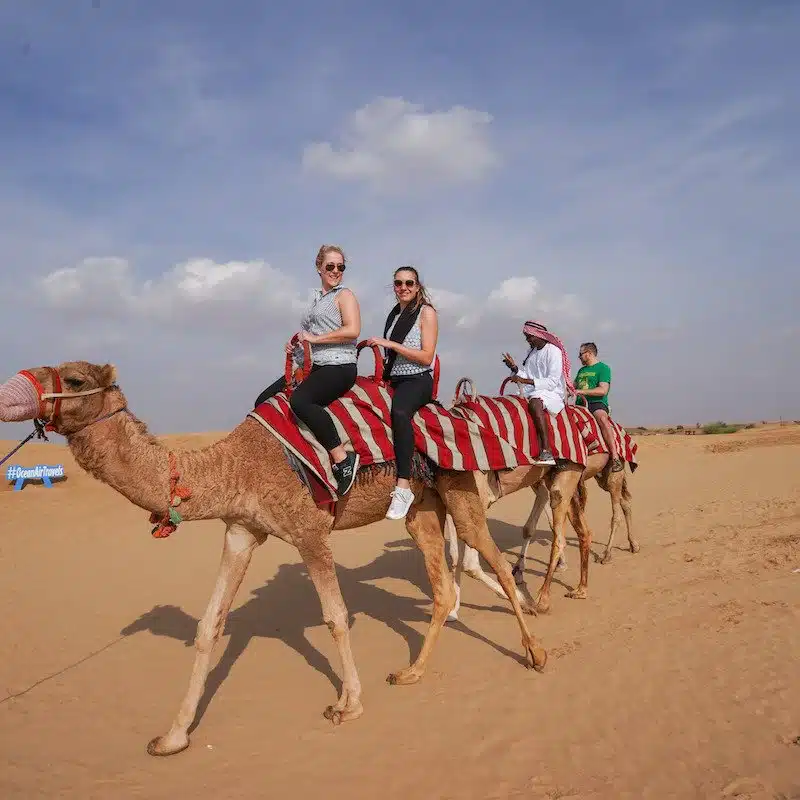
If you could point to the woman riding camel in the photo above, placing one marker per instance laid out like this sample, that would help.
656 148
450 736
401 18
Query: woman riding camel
410 335
331 326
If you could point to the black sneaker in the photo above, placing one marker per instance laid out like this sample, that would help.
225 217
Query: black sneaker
345 473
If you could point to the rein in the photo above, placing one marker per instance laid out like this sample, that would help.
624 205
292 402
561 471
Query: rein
41 424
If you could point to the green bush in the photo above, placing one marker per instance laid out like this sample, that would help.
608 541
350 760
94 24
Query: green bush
720 427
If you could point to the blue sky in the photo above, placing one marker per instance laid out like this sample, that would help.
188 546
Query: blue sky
627 172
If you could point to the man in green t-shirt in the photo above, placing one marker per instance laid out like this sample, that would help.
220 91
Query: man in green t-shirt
592 385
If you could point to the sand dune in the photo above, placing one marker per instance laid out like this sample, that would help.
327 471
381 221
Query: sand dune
677 678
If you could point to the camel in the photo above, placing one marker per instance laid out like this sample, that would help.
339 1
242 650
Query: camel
245 481
615 483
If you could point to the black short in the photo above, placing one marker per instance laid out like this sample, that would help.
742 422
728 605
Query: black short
596 405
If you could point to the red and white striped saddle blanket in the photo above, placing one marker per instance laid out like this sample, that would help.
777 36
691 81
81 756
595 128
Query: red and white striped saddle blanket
574 432
363 420
484 433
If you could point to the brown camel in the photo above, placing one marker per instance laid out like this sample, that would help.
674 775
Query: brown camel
615 483
569 502
245 481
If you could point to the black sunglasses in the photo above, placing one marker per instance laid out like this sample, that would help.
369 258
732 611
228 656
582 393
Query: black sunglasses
409 283
332 267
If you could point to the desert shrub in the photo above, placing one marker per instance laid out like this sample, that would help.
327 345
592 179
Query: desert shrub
720 427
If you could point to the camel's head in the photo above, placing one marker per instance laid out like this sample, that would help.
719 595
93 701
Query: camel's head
68 397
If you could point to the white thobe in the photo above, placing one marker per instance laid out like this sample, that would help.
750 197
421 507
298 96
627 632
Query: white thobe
546 368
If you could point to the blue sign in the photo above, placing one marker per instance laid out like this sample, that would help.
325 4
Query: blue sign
41 472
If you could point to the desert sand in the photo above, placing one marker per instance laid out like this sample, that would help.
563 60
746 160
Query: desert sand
677 678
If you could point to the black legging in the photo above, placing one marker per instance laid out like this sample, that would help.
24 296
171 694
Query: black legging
323 385
410 394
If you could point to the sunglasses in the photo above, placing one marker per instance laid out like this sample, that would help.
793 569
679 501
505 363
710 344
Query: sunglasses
409 283
332 267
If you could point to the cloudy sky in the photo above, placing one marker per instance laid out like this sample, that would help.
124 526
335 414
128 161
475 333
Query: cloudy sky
626 172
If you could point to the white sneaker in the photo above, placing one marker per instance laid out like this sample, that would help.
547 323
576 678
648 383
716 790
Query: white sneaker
401 502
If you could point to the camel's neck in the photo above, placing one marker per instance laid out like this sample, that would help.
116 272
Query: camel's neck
121 453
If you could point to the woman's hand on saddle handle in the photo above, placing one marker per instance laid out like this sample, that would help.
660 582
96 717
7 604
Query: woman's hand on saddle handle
305 336
384 343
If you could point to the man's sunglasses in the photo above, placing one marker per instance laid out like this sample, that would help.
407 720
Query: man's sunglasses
409 283
332 267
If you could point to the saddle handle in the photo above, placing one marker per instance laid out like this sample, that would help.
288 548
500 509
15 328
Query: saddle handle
299 375
506 381
378 376
376 352
457 395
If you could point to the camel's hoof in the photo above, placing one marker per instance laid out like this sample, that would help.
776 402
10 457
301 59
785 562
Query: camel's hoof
337 717
542 605
403 678
158 747
537 658
578 594
606 559
635 547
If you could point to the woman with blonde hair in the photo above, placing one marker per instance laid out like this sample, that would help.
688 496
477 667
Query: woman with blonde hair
409 341
331 326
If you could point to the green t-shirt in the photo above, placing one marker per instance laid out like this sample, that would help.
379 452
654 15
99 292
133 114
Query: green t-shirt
591 378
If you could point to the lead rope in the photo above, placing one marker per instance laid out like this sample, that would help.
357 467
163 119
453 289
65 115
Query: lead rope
38 432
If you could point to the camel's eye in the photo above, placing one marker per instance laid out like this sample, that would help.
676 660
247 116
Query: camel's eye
74 383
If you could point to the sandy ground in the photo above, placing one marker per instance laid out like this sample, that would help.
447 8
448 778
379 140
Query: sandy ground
678 677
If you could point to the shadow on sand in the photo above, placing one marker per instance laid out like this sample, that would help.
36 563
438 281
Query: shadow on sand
263 615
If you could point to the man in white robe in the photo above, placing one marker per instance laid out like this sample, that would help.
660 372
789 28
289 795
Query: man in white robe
543 379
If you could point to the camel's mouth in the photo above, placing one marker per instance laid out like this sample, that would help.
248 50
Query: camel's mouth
19 400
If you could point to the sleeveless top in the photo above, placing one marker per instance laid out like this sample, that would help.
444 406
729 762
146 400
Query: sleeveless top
403 366
323 316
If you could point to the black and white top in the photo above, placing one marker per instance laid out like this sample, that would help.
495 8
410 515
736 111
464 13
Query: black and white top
403 366
324 316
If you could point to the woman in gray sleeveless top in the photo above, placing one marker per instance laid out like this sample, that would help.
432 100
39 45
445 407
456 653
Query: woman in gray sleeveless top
331 326
410 336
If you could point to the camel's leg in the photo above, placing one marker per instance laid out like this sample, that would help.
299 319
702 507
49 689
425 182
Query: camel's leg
472 567
578 520
613 485
316 553
529 529
457 569
563 487
425 523
469 517
236 554
616 486
625 502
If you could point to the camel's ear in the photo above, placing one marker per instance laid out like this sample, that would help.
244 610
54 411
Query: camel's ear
108 375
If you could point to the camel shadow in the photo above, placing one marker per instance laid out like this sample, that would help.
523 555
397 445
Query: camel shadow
264 614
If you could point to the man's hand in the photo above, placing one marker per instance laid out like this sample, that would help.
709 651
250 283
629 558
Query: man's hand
509 361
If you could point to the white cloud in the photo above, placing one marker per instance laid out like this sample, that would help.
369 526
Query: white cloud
245 295
515 299
392 141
